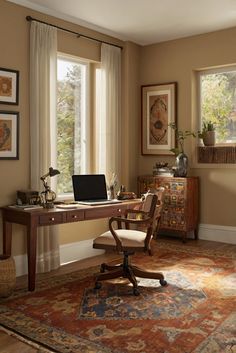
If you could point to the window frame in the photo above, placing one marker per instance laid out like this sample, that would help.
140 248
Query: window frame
200 73
197 123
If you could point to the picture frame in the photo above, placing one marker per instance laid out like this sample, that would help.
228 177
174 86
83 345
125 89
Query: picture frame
9 86
9 135
159 109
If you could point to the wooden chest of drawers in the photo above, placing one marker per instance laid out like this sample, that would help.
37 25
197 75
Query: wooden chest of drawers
180 211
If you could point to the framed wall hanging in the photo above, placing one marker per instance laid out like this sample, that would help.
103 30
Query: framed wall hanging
9 135
9 86
159 109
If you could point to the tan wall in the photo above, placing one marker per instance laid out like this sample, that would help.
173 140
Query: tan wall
165 62
14 54
130 115
176 61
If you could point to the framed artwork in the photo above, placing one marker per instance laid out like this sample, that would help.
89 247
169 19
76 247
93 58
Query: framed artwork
9 135
159 109
9 86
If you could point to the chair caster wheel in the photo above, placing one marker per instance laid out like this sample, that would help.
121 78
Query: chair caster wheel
163 282
98 285
136 291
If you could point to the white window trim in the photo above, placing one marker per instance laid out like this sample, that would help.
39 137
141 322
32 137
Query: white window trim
196 122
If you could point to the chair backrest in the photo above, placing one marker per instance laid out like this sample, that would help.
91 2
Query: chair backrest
159 192
149 203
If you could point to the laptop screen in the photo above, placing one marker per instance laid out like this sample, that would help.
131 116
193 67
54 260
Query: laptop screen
89 187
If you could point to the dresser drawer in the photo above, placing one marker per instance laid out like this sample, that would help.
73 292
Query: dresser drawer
48 219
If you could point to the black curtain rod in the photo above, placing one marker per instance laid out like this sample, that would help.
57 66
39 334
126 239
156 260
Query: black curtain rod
29 18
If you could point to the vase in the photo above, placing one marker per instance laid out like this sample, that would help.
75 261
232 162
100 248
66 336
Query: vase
181 165
209 138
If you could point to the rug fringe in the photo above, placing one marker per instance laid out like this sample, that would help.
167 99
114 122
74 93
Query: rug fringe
40 349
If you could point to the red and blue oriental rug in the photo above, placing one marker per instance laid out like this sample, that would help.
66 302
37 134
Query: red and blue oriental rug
196 312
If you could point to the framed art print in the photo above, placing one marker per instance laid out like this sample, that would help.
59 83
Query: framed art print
9 86
158 111
9 135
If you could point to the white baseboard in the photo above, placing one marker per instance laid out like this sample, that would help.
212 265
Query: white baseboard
223 234
78 251
68 253
84 249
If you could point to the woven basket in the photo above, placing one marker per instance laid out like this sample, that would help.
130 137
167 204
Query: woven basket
7 275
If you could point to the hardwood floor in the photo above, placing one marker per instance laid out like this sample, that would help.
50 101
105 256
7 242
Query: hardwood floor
10 344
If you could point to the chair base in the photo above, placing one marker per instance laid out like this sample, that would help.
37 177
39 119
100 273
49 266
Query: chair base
126 270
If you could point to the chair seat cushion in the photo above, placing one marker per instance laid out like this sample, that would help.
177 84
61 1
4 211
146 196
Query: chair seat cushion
130 238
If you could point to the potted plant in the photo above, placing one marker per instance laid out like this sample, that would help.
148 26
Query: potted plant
208 133
181 157
180 136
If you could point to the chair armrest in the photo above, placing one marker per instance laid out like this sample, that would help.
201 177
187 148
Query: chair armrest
130 220
126 221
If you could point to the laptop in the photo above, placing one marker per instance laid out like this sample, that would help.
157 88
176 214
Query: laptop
90 189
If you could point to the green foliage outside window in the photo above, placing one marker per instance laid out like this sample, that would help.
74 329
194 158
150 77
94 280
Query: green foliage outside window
68 127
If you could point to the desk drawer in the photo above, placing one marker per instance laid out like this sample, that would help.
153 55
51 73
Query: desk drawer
75 216
98 212
48 219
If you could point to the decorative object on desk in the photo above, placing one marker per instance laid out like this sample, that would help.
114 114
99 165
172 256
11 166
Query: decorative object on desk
162 169
48 196
9 86
158 111
181 169
7 275
27 197
208 133
9 135
111 184
126 195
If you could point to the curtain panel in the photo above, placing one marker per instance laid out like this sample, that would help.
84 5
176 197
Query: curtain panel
43 66
108 129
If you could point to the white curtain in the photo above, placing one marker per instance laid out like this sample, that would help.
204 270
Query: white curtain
108 131
43 64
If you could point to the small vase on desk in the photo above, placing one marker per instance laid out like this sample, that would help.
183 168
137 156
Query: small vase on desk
111 193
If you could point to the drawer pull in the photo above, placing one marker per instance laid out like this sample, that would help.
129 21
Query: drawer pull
52 219
74 216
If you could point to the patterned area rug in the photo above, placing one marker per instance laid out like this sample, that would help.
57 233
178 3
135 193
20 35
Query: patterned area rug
195 312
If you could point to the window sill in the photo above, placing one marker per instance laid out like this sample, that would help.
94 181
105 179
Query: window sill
217 154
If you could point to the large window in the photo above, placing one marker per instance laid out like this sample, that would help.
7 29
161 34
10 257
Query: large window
72 121
218 102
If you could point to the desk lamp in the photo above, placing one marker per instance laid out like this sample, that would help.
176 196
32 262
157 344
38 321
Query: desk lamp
48 196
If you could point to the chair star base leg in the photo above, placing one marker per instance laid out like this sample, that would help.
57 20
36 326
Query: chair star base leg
126 270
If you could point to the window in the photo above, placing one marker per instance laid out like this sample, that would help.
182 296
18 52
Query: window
218 102
73 121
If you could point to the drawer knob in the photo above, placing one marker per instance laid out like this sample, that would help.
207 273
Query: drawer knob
74 216
52 219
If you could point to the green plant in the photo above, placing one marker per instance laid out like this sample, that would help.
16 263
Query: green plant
206 126
180 136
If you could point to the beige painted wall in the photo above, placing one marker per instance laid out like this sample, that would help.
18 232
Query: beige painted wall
165 62
14 54
176 61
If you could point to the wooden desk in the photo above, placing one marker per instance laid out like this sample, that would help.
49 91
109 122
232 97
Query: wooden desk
33 219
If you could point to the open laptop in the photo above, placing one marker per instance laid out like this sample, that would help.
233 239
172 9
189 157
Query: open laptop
90 189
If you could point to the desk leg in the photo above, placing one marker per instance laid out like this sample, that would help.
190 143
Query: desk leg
7 237
31 251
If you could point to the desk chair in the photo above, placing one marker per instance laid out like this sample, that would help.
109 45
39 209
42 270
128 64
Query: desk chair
128 241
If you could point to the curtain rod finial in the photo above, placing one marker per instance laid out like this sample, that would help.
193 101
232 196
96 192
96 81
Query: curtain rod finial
29 18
